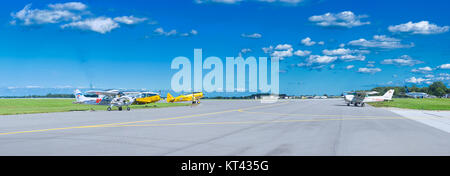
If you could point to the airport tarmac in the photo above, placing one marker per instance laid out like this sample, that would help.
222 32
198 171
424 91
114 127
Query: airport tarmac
224 127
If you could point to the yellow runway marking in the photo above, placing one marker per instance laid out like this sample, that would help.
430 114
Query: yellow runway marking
153 120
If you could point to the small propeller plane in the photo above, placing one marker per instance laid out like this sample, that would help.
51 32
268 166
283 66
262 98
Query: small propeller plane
415 94
194 97
363 97
109 98
144 97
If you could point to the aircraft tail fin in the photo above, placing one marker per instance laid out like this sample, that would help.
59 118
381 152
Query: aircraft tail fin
388 95
78 95
169 98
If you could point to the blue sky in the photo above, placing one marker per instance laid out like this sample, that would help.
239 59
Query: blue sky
326 46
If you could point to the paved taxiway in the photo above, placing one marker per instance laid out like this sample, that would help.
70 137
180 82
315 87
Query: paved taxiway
229 127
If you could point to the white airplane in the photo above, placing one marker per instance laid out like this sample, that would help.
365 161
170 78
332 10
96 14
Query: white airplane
109 98
363 97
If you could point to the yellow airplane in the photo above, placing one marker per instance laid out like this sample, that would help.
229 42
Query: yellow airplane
146 98
194 97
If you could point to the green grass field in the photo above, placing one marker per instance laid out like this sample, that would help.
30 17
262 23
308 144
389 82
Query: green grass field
411 103
29 106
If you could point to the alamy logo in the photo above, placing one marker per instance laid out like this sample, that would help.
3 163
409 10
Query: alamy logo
213 81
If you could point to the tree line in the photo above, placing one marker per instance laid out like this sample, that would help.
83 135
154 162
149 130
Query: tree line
437 89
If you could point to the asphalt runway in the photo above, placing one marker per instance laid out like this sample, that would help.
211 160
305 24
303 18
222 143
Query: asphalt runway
228 127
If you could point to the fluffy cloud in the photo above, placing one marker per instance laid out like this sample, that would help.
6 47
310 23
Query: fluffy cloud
302 53
317 59
349 67
218 1
416 80
348 58
267 49
68 6
343 19
28 16
292 2
343 51
254 36
380 41
283 47
160 31
422 70
129 20
308 42
423 27
404 60
100 25
444 66
70 15
281 51
369 70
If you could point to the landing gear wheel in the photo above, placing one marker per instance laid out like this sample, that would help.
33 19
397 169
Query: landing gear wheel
198 102
109 109
348 104
362 104
128 108
120 108
356 104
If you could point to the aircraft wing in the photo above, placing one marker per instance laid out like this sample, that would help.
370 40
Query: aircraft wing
100 92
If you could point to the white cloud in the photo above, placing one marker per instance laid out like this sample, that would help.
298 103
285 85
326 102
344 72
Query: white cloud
302 53
281 51
308 42
267 49
342 45
317 59
404 60
68 6
254 35
343 19
416 80
422 69
444 66
423 27
246 50
291 2
343 51
194 32
348 58
369 70
129 20
349 67
160 31
30 16
283 47
380 41
99 24
282 54
218 1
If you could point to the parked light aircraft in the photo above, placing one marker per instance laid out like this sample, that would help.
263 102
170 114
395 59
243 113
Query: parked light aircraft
109 98
194 97
363 97
144 97
415 94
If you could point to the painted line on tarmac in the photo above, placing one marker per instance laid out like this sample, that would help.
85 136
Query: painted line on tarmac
133 122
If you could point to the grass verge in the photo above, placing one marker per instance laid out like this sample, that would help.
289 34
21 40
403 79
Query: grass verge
411 103
30 106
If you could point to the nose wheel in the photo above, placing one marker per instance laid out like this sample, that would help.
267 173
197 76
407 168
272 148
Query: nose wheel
109 109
